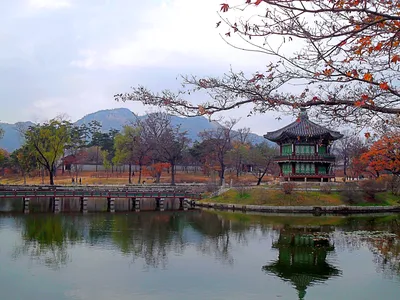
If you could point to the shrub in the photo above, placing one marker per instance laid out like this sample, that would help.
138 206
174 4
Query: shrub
391 182
242 189
211 187
288 187
351 194
326 188
372 186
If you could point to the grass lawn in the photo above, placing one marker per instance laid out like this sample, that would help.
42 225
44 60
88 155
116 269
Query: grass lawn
388 198
262 196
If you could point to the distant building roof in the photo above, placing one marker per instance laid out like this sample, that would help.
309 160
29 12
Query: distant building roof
302 128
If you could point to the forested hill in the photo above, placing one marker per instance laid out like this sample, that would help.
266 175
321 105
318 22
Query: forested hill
116 119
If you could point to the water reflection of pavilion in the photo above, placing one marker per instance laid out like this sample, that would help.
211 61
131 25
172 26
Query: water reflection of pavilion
302 258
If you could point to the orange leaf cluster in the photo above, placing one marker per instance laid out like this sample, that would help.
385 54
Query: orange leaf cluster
384 86
367 77
384 154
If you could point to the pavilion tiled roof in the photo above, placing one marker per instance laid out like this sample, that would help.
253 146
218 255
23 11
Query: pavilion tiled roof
302 128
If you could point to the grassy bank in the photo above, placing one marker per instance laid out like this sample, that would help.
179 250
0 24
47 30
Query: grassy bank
262 196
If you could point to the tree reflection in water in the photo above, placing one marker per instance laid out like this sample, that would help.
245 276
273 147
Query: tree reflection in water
153 236
381 235
46 238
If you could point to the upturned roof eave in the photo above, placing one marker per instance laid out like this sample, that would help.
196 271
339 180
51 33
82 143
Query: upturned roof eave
284 133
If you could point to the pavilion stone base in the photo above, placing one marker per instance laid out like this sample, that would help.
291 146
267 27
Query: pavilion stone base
306 179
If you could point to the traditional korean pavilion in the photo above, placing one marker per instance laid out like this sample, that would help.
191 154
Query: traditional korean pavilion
305 150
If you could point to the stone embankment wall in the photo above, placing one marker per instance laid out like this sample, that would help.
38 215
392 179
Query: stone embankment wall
342 209
73 204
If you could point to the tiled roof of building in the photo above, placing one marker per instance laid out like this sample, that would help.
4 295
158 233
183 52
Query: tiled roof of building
302 128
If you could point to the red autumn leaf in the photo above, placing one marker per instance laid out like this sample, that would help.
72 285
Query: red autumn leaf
367 135
258 2
315 98
224 7
384 86
378 46
395 58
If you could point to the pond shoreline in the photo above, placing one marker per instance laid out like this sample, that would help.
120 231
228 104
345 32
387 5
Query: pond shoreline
340 209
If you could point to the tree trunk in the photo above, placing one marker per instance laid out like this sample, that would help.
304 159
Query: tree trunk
97 157
76 173
222 175
345 167
158 176
24 178
140 173
262 176
130 173
172 173
51 177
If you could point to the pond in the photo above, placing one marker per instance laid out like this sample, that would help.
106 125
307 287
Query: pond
199 255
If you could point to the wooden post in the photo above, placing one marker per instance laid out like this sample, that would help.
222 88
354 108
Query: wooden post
26 204
181 205
157 203
185 204
137 205
57 205
84 202
111 205
162 207
132 204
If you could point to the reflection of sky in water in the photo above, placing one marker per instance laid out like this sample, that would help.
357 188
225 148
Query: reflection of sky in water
194 267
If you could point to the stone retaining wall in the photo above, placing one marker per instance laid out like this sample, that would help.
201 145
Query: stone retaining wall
342 209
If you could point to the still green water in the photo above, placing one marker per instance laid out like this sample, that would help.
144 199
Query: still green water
198 255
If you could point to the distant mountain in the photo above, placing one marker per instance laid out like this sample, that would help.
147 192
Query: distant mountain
12 138
115 119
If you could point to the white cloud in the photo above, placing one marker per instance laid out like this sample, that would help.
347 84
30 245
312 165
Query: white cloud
172 34
49 4
88 60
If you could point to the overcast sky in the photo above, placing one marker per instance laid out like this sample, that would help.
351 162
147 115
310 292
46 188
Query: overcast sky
72 56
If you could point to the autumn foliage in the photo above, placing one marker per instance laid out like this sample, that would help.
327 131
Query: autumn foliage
384 155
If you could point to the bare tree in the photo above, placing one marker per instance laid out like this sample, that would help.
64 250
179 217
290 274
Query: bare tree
261 157
240 149
347 148
167 141
218 142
